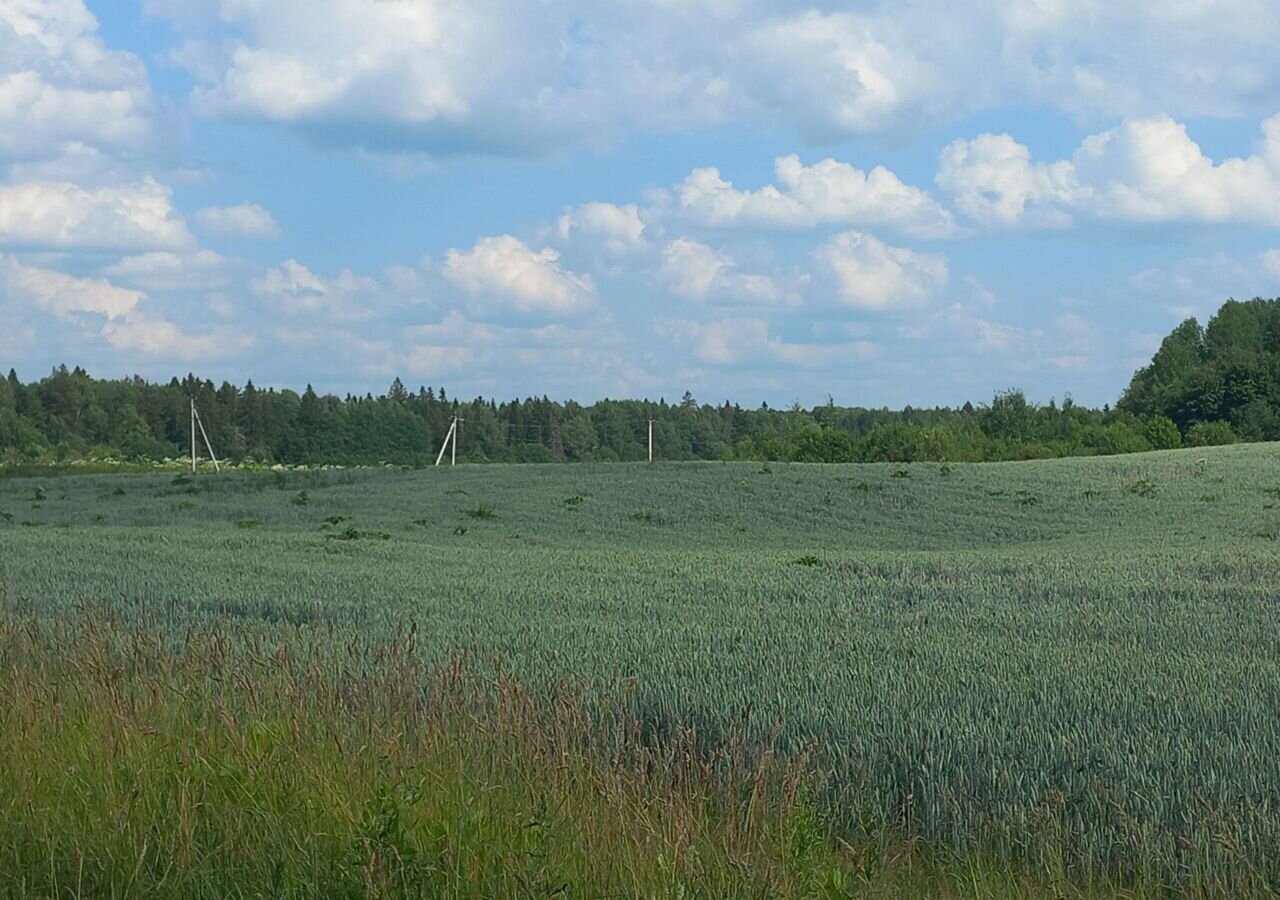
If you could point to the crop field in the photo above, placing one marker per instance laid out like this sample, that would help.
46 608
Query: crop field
1070 668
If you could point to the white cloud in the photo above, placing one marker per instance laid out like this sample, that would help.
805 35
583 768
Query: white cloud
993 181
837 74
506 271
126 324
707 198
873 275
1271 263
719 342
723 342
691 269
61 87
1145 170
1151 170
423 360
161 270
828 192
165 340
1197 285
418 360
63 215
247 220
448 78
385 75
616 229
297 290
695 271
65 295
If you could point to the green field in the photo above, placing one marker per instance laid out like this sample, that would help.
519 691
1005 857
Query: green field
1070 668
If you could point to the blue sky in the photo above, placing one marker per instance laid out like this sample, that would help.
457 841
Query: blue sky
887 203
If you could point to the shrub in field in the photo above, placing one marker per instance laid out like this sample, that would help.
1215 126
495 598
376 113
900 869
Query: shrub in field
1211 434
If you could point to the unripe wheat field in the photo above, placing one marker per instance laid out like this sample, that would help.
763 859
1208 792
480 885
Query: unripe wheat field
1070 667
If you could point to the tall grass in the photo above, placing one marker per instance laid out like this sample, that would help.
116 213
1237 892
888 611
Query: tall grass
215 764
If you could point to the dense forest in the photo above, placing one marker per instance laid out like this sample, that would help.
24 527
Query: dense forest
1206 385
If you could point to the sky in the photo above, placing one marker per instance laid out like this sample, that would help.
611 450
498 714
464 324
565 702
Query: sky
916 202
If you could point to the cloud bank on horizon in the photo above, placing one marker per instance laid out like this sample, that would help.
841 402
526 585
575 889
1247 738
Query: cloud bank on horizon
887 203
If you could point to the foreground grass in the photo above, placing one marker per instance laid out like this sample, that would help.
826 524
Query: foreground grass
216 764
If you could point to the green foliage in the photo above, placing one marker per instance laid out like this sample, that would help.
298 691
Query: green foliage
1226 374
69 417
1210 434
1162 433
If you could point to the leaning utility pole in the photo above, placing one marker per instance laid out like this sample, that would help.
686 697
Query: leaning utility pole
197 422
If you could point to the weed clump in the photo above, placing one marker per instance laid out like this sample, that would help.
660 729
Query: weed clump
1143 487
351 533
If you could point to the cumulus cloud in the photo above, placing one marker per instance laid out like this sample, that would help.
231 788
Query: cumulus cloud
296 290
993 180
723 342
161 270
126 323
838 74
615 229
1145 170
415 359
828 192
400 75
718 342
136 216
65 295
61 87
873 275
507 272
447 78
696 272
165 340
1197 285
247 220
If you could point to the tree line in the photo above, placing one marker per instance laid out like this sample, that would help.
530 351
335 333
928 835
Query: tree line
1210 385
